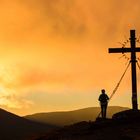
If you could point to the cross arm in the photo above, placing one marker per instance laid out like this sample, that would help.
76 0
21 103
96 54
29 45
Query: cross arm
137 49
122 50
119 50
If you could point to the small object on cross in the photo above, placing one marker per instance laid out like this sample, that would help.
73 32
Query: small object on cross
133 61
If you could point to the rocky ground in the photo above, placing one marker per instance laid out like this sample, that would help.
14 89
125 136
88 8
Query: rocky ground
123 125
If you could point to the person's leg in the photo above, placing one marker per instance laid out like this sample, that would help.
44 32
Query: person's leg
105 108
102 111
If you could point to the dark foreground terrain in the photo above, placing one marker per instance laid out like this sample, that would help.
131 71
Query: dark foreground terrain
123 126
13 127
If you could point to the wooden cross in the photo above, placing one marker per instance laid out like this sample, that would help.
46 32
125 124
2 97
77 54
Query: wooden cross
133 61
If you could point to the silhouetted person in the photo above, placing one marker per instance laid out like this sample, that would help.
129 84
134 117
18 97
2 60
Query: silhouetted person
103 98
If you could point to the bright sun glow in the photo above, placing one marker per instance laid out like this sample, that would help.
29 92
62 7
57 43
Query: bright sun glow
9 91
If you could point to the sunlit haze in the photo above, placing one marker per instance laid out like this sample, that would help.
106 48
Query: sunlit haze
54 53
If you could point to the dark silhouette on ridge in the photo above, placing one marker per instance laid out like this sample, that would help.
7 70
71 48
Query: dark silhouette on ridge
103 98
124 125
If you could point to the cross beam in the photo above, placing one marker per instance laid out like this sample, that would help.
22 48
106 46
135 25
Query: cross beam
133 61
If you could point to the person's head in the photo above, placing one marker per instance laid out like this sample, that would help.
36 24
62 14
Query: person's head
103 91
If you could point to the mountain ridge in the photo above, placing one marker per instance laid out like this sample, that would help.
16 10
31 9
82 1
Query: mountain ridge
61 118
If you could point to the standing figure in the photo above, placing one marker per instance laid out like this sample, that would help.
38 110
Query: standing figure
103 98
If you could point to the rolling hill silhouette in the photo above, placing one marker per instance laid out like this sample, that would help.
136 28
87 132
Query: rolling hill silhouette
13 127
70 117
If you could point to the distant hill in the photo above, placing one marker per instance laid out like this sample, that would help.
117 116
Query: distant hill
70 117
13 127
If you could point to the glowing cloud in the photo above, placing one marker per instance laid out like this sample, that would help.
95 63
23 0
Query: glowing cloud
60 47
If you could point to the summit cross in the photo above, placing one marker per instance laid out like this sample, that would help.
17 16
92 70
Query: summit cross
133 49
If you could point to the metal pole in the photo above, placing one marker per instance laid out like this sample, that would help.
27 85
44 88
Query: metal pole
133 70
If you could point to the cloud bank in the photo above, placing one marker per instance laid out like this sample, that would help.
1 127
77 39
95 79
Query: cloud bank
60 46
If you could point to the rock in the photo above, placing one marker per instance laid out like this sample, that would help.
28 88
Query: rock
127 116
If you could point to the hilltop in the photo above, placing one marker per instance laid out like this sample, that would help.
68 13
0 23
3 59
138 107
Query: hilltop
123 126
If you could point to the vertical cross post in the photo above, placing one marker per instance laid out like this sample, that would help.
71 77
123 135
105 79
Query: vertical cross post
133 49
133 69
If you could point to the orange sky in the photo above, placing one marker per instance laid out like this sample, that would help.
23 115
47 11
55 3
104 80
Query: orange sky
54 54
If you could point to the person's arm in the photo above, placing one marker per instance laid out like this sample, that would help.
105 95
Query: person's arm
107 97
